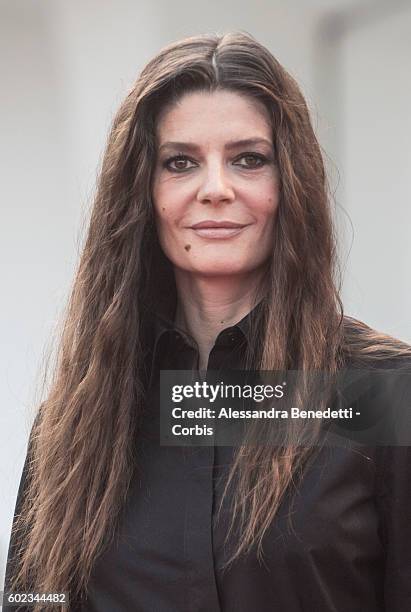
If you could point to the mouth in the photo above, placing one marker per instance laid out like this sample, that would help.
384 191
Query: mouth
218 229
218 232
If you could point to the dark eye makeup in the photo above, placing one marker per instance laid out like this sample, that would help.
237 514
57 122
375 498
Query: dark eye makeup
180 160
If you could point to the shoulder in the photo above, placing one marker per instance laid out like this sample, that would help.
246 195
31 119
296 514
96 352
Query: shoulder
376 375
365 347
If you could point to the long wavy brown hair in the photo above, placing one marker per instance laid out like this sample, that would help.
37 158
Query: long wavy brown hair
81 446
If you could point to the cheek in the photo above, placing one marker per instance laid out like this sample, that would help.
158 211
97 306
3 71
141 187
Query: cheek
267 209
162 210
263 196
167 203
163 225
273 199
161 200
166 226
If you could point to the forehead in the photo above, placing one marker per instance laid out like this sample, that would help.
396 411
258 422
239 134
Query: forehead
219 114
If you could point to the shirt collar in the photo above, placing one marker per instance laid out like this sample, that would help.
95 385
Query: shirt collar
164 324
163 314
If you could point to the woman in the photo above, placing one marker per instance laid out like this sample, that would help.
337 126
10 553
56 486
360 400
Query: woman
210 245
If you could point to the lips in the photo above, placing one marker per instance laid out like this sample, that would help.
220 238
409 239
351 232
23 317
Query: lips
217 224
218 229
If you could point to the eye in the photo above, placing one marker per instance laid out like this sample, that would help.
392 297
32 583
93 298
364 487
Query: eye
251 160
178 163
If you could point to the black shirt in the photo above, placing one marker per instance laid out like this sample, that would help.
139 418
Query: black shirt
349 549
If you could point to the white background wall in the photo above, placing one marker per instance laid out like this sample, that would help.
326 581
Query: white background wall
376 142
65 66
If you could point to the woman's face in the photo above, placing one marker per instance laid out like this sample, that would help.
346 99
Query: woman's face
215 167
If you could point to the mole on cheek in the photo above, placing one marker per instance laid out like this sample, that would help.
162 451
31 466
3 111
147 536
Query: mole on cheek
163 208
187 247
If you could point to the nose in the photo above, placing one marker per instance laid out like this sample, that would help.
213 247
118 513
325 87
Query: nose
215 186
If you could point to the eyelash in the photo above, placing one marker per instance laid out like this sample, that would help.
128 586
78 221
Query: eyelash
180 156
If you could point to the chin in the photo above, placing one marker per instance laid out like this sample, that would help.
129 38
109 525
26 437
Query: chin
220 268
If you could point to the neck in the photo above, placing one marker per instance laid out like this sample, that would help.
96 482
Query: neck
207 305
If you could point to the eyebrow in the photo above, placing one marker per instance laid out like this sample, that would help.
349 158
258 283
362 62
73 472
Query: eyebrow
234 144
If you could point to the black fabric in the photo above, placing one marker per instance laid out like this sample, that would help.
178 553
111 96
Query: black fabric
349 548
